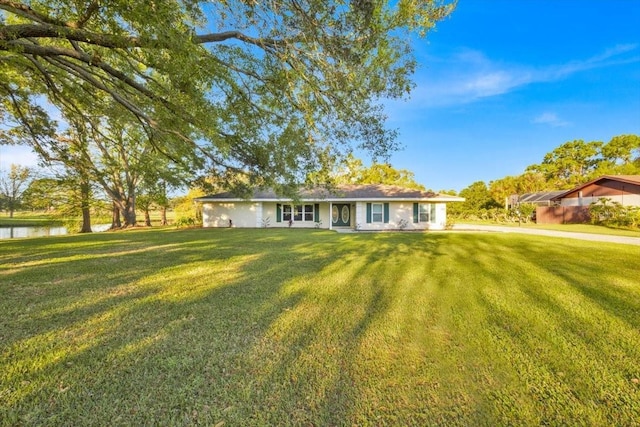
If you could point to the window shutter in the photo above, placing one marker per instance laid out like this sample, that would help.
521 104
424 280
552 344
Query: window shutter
386 213
368 213
316 212
278 212
415 212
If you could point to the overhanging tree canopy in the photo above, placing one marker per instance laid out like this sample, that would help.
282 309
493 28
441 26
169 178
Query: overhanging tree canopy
267 90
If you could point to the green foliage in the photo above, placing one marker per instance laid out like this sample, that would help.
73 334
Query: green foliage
186 221
611 213
351 170
577 162
13 184
528 182
186 207
525 211
568 165
477 200
275 91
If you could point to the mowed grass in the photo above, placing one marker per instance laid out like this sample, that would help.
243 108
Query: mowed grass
572 228
309 327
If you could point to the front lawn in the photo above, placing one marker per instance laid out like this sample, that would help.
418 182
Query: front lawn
575 228
309 327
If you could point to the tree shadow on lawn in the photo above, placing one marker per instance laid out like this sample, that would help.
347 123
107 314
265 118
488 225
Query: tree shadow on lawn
561 330
143 344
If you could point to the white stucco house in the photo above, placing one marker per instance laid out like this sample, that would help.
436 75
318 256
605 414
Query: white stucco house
357 207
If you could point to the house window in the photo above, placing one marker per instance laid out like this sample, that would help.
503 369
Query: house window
376 212
297 213
424 213
286 212
427 212
308 212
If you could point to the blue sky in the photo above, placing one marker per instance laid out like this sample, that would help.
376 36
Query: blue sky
503 82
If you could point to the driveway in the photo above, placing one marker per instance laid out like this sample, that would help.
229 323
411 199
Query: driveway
569 235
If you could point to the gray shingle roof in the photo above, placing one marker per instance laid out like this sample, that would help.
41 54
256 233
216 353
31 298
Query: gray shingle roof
344 192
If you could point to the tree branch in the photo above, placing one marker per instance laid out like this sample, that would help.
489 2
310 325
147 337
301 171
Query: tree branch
93 8
45 29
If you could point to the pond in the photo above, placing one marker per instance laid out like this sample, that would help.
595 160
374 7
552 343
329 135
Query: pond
22 232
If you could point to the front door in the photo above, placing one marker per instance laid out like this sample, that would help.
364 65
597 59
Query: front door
341 215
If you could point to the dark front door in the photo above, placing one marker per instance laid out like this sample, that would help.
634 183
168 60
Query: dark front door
341 215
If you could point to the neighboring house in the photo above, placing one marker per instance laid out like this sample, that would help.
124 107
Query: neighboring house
358 207
572 206
624 189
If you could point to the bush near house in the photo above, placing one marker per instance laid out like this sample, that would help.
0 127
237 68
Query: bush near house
610 213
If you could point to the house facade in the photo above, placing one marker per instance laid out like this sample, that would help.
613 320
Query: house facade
356 207
572 206
624 189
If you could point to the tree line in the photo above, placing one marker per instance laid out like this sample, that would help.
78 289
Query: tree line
565 167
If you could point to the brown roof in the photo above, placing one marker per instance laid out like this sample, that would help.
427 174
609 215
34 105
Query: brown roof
628 179
344 192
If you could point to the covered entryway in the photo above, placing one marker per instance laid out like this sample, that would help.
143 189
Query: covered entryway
341 215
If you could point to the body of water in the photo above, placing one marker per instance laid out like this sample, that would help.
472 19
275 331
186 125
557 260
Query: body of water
22 232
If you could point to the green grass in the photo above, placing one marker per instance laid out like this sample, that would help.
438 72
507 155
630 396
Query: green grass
302 327
30 220
576 228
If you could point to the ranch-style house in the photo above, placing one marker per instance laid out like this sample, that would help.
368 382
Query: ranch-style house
355 207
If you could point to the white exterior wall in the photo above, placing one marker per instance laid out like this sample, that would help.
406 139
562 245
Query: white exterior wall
254 215
399 211
243 214
258 214
625 200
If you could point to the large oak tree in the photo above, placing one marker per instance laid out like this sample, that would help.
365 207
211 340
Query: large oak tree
262 91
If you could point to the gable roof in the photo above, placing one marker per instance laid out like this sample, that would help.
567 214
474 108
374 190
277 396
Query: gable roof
351 192
627 179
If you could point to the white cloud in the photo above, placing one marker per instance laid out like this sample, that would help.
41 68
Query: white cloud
469 75
550 119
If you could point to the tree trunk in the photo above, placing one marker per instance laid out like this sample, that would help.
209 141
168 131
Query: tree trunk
163 216
129 211
147 218
129 214
86 213
115 219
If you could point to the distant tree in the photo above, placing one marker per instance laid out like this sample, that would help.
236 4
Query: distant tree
352 171
187 211
528 182
44 194
12 186
621 155
570 164
477 198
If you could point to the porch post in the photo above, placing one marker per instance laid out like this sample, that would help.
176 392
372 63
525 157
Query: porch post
259 215
330 216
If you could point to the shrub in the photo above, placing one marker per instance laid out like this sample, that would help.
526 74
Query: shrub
185 221
613 214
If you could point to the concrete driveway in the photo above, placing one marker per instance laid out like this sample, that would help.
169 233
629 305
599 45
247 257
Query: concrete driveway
567 234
